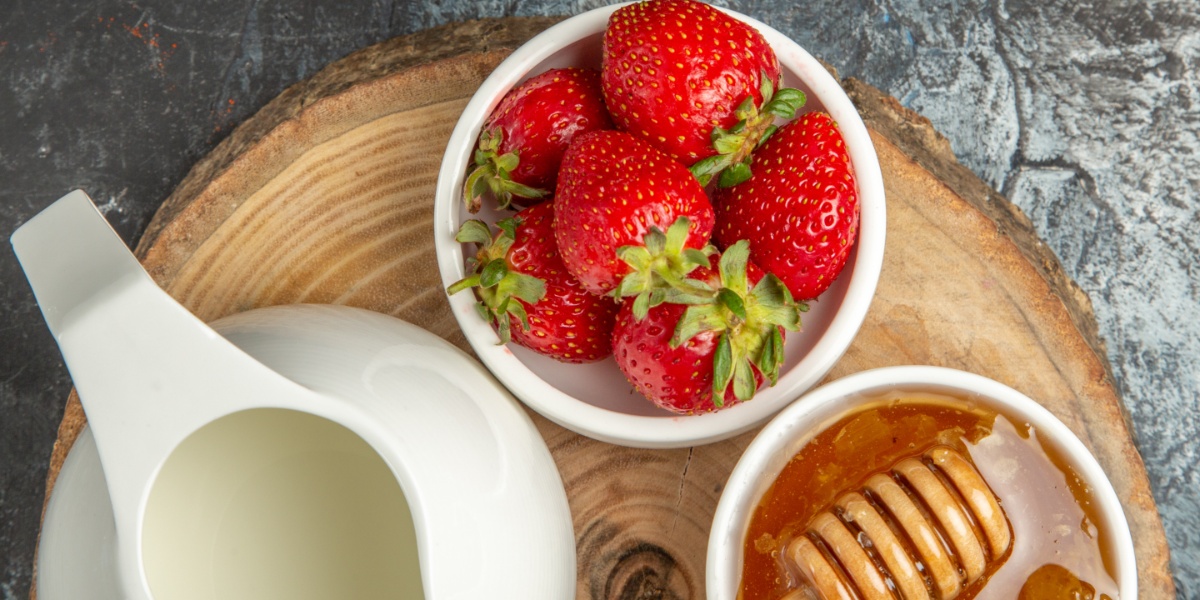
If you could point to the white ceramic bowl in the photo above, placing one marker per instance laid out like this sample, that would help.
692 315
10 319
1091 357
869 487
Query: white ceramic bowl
594 399
794 427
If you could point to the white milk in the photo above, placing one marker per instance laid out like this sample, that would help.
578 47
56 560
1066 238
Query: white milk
273 503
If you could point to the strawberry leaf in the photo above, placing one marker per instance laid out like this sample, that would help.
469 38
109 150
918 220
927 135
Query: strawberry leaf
637 257
474 189
750 323
755 124
657 297
766 87
745 111
493 272
509 227
776 305
744 384
675 296
785 103
662 263
718 132
503 327
489 144
733 267
644 302
770 131
641 306
495 284
473 231
507 163
697 318
462 284
493 174
523 286
517 310
733 302
510 188
704 170
655 241
632 284
677 235
770 359
698 257
728 144
722 369
734 175
770 292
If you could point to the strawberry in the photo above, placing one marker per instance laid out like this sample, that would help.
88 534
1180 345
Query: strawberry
695 82
527 294
799 210
612 189
716 352
523 140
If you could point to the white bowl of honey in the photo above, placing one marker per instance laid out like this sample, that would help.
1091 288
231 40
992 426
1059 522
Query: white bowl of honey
918 482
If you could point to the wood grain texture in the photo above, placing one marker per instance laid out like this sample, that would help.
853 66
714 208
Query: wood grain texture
326 196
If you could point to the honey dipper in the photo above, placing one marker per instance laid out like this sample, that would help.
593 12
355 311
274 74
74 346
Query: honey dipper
922 531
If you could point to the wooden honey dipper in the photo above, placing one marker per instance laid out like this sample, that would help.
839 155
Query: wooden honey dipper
951 524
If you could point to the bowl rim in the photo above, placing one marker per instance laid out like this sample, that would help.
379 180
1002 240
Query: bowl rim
660 431
753 473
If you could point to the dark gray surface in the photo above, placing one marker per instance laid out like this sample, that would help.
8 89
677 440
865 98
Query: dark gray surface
1084 114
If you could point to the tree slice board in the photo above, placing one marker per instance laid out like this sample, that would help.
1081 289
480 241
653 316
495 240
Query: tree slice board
326 196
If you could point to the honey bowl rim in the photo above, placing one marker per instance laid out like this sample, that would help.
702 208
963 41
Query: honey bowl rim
844 312
775 445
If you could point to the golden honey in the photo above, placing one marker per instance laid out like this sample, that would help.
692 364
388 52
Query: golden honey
1056 549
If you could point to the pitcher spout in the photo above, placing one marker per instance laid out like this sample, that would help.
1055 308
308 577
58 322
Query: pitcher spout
147 371
70 259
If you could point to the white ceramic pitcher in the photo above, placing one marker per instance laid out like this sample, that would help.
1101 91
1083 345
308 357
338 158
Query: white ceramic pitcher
318 414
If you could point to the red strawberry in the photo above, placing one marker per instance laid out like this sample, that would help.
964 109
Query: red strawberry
693 81
800 209
614 188
523 140
716 352
526 292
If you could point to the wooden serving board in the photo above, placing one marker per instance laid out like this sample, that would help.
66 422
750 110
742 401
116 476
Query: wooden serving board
326 196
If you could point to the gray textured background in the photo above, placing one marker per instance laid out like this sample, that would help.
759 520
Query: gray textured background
1083 114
